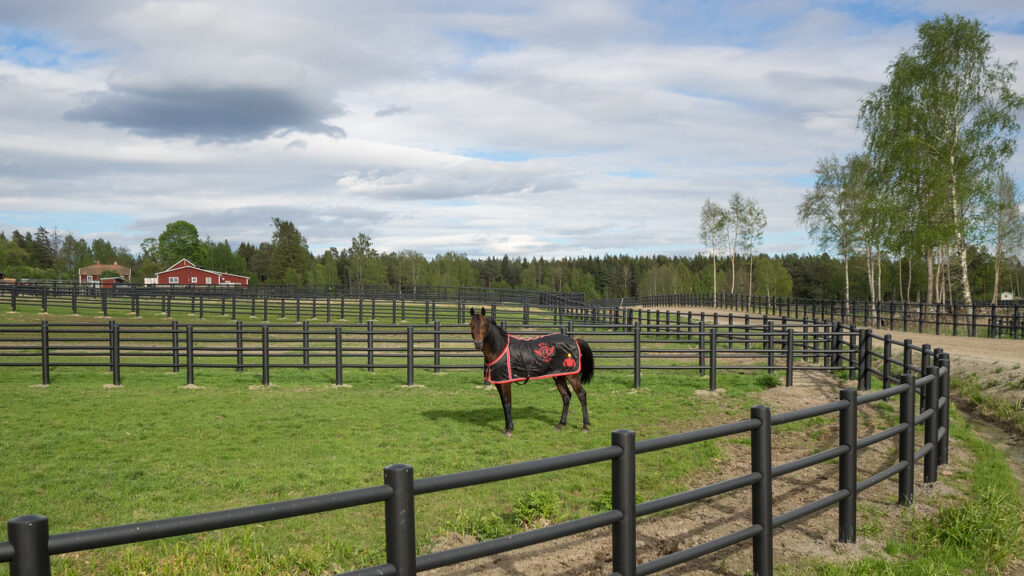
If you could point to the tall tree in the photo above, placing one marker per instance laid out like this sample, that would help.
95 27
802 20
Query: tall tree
949 103
289 257
752 222
180 239
713 221
1007 231
360 255
828 212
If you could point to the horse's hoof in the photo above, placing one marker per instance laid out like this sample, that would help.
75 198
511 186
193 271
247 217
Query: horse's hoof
558 426
508 433
585 429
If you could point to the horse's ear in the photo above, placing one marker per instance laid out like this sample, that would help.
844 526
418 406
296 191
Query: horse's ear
483 311
471 312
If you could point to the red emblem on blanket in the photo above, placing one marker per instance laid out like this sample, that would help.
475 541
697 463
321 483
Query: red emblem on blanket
569 362
545 351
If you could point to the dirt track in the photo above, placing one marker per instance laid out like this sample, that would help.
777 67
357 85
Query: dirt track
815 536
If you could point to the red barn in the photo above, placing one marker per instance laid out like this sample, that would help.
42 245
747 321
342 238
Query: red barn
187 273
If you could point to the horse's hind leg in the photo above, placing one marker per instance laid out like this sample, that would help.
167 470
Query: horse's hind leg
566 396
577 387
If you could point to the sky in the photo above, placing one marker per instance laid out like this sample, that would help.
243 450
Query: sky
527 128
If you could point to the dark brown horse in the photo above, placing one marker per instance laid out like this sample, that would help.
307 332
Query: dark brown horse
510 359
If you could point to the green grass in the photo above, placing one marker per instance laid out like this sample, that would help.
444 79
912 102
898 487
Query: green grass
979 533
88 455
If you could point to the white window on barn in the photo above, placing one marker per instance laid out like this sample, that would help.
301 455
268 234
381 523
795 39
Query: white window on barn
172 280
209 280
195 280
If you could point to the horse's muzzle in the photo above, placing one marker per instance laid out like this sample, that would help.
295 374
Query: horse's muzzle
478 344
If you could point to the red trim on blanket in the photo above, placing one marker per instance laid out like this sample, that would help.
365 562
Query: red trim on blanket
508 362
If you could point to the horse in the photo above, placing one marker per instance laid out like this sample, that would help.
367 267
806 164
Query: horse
509 359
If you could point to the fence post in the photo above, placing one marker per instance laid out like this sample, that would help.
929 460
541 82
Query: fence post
769 343
337 355
190 360
30 536
412 356
789 357
437 346
44 350
761 491
931 426
266 354
400 520
239 353
624 500
713 378
848 466
944 410
305 344
886 361
906 439
369 345
700 345
115 352
175 352
636 354
864 360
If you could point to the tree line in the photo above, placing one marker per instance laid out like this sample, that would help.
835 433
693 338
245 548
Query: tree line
285 258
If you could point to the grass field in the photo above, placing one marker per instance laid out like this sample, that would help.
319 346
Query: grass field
88 456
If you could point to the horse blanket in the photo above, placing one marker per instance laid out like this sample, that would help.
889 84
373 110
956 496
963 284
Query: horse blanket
545 356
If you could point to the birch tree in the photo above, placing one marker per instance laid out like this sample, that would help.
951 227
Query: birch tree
1007 232
713 220
828 213
951 104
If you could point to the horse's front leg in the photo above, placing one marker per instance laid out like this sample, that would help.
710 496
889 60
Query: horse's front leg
505 393
563 390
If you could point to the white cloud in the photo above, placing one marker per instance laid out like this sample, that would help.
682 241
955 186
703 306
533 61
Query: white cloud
481 128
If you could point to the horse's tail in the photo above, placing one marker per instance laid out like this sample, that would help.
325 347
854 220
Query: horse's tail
587 362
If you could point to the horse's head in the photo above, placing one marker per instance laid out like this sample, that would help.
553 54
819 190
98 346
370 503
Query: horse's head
479 326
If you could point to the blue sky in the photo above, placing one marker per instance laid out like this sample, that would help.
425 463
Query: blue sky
528 128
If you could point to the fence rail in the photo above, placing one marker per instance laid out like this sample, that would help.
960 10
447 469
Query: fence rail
917 376
1003 320
448 304
707 344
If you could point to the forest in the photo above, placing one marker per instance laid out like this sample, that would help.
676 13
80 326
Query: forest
286 259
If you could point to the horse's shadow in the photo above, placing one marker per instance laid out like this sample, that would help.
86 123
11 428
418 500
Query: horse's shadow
491 418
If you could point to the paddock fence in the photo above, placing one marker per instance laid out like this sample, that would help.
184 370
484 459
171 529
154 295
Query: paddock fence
636 342
271 302
885 369
983 320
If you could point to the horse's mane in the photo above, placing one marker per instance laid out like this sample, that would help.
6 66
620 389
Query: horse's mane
496 336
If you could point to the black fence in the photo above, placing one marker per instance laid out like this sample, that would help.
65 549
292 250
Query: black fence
917 376
293 302
651 340
1003 320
